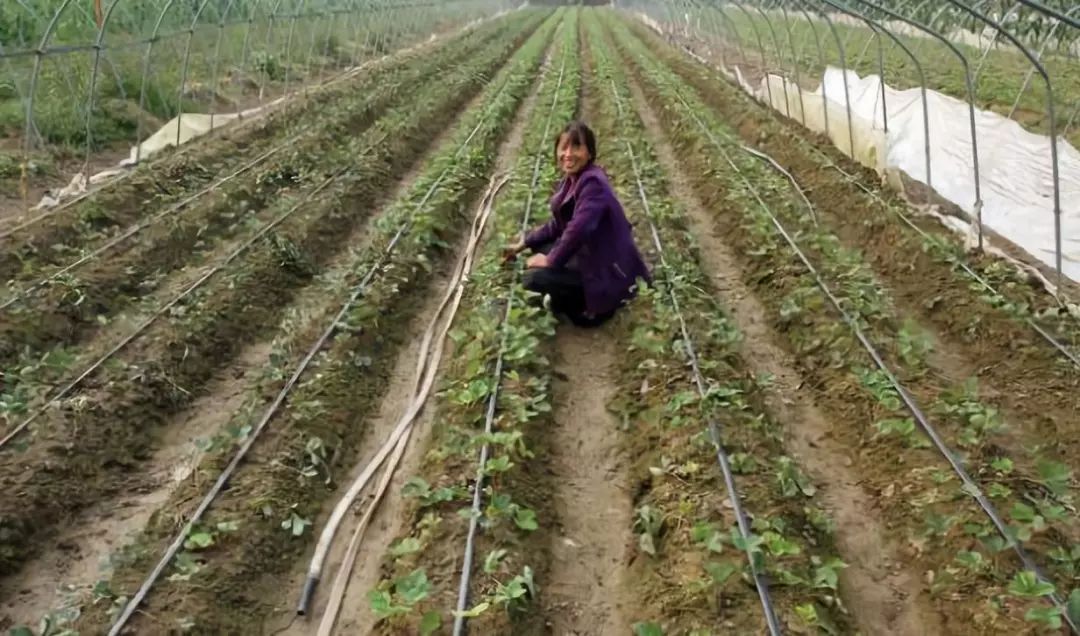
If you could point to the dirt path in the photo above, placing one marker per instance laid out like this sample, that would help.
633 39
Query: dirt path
882 594
593 504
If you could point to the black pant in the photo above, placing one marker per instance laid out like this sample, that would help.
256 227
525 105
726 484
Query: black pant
566 289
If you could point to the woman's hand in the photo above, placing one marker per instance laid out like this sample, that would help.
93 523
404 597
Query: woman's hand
511 251
537 261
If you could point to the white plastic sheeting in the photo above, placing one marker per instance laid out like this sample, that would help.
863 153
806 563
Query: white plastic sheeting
1015 165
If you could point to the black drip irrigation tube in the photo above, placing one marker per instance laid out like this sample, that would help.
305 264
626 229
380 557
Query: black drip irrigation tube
219 485
460 624
969 485
760 582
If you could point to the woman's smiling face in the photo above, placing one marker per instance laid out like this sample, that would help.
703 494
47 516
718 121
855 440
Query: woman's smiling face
573 155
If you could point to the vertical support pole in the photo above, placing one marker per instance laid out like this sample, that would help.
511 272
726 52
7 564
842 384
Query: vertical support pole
92 89
184 70
145 76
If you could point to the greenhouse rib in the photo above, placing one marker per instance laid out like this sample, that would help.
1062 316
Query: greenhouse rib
160 311
760 583
969 485
279 400
489 417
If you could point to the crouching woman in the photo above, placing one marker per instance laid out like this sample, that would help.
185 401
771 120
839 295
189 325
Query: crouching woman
585 261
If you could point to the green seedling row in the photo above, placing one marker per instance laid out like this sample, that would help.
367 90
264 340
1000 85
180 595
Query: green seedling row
121 409
691 553
515 522
75 307
277 502
890 445
1031 383
56 240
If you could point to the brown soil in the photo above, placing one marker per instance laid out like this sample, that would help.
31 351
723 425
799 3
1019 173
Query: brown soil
1018 373
820 345
388 521
80 553
585 591
248 570
1037 390
175 178
179 358
882 593
149 260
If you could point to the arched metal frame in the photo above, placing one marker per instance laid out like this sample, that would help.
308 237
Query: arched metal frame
761 48
975 13
130 59
975 19
970 87
1031 71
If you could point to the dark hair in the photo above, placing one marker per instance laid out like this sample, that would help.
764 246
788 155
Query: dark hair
580 135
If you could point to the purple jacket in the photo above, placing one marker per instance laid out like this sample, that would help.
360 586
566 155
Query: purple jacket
589 226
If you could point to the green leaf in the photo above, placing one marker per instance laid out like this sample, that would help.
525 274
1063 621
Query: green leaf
228 526
1072 606
500 464
645 542
199 540
780 546
825 575
701 531
382 605
715 542
20 631
720 572
1049 616
970 560
648 629
416 487
413 587
527 579
526 519
1026 584
491 562
474 612
1055 476
408 545
1022 512
431 622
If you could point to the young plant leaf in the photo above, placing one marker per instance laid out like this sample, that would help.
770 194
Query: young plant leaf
430 623
720 572
408 545
1072 606
413 587
525 519
1026 584
648 629
474 612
